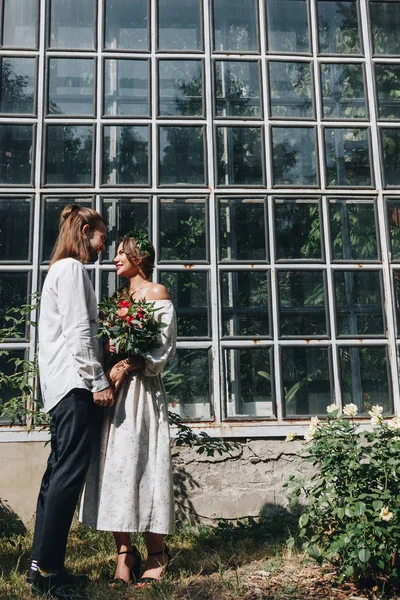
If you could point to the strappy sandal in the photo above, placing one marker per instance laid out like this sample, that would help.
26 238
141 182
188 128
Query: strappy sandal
134 571
148 581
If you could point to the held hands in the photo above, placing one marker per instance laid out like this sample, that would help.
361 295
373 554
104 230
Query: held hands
104 397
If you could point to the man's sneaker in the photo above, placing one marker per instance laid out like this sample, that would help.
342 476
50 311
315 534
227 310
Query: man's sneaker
71 579
55 586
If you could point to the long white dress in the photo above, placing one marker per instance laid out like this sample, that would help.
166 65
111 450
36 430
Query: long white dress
129 482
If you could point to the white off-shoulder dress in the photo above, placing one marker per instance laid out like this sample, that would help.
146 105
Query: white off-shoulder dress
129 482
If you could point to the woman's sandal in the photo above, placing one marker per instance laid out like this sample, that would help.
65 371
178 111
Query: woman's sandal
134 571
147 581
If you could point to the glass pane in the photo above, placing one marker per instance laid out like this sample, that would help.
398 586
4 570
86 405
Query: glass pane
180 86
126 155
287 24
183 229
180 26
7 367
358 303
237 89
343 94
391 156
51 211
16 142
181 155
396 287
364 377
189 295
290 89
245 303
69 154
123 215
338 27
387 79
13 294
126 88
347 157
243 229
393 217
126 24
235 25
249 375
240 156
306 381
71 86
294 157
302 303
17 85
20 23
298 229
353 230
72 24
187 382
15 228
385 19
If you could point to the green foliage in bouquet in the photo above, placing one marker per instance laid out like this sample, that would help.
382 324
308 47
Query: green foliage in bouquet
352 514
131 325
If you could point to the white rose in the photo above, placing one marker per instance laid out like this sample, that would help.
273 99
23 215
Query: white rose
331 408
376 420
376 411
350 410
290 436
385 514
394 424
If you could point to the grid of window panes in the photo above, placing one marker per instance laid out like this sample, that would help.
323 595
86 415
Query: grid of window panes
258 142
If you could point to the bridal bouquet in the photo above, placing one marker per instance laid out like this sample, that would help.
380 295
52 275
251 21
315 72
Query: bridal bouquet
130 325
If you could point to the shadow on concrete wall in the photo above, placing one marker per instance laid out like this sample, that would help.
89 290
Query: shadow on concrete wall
10 523
184 484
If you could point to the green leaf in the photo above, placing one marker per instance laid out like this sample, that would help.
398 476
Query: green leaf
364 555
304 518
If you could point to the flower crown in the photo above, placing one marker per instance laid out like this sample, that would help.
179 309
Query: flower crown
141 240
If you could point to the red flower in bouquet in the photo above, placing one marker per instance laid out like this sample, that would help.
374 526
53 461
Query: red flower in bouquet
131 325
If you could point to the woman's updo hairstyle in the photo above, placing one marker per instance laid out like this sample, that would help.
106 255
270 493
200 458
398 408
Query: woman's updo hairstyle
71 243
139 250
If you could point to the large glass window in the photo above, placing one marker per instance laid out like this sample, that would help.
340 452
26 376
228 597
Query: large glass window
258 145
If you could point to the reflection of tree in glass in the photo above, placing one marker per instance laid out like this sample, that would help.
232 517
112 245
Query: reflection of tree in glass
388 86
242 230
182 155
69 154
364 378
290 89
239 156
306 382
385 18
14 97
294 156
129 164
341 39
186 378
298 233
343 91
189 294
347 158
302 303
353 231
391 155
185 240
188 99
237 89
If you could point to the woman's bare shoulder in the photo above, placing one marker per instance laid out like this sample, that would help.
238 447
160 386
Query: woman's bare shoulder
156 291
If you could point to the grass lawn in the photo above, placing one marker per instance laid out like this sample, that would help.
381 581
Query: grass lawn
248 561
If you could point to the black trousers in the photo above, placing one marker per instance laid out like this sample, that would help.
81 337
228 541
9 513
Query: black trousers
73 421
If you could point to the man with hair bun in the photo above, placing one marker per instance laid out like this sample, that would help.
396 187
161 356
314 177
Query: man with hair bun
73 383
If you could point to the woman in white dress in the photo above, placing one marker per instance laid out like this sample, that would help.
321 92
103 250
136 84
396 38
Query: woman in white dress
129 483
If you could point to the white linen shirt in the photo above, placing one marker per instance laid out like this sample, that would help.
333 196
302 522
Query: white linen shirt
68 347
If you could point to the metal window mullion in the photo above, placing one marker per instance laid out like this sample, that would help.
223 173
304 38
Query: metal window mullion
317 94
388 300
154 99
218 374
265 95
331 303
275 311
